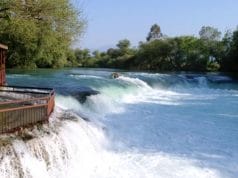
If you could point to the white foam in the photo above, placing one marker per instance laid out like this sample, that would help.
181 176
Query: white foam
84 76
139 83
76 148
81 149
18 75
145 93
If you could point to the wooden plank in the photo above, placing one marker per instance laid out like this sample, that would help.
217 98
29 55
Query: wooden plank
24 100
23 107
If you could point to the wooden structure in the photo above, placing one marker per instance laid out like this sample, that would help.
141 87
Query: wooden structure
3 51
22 106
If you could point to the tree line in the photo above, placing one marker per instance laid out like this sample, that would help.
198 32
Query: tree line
39 33
208 52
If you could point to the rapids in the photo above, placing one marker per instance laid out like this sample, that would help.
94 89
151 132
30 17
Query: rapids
178 125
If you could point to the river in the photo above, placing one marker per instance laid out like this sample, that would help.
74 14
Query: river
165 125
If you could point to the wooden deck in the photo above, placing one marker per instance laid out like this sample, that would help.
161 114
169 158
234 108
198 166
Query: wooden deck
24 106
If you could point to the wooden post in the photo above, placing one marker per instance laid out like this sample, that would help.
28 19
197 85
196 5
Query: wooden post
3 52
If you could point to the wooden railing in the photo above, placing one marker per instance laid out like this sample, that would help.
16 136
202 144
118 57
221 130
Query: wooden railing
24 106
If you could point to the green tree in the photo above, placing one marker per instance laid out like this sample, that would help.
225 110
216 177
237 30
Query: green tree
40 32
215 48
113 53
71 58
155 33
209 33
82 56
230 61
96 54
123 45
155 55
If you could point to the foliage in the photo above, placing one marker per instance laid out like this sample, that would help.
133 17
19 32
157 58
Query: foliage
209 33
155 33
118 57
230 60
39 32
4 10
183 53
179 53
82 56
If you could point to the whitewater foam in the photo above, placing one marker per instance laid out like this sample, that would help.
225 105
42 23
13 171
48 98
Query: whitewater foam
78 76
78 149
135 128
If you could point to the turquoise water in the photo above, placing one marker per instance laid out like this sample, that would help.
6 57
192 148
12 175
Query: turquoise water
152 124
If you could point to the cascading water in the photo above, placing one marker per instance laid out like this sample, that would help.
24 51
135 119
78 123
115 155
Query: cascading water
140 125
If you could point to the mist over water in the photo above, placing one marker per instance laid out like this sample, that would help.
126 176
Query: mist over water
139 125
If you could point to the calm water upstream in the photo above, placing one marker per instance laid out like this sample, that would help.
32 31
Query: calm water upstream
140 125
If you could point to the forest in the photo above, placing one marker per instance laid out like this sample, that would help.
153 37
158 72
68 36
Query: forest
40 35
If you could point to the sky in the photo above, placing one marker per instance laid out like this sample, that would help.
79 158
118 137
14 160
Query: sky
109 21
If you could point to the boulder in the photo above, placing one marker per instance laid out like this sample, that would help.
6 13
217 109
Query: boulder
115 75
82 94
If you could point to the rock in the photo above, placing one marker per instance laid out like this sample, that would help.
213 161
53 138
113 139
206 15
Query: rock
82 94
5 142
26 136
115 75
86 119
